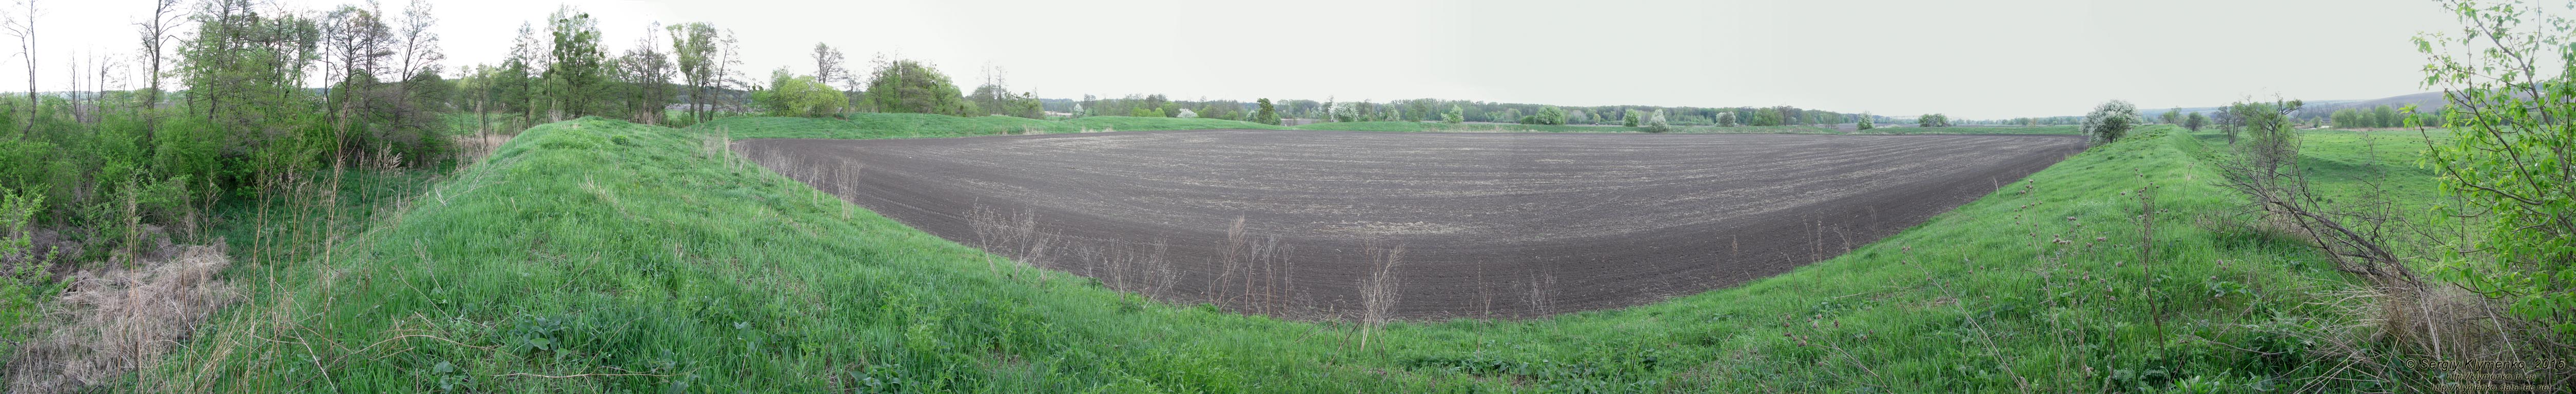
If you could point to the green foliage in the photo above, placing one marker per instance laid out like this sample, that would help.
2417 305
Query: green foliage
2111 120
1866 123
2274 133
696 49
577 66
1268 115
2195 121
1550 115
1455 115
1769 117
2511 157
1932 120
1655 122
23 274
793 95
909 86
1631 118
996 99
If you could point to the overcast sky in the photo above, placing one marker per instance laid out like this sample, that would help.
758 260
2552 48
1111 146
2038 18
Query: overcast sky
1972 59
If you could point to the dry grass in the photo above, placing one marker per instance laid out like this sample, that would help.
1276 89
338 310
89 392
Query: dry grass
115 319
1378 294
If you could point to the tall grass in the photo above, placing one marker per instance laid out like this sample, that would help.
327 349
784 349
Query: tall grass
601 256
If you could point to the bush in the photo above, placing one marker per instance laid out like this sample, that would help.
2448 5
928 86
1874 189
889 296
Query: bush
1656 124
2509 160
2111 120
801 96
1549 116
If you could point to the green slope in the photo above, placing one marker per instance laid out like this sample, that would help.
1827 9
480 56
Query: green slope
645 258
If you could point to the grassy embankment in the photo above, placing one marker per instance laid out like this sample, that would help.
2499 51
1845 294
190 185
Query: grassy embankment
598 255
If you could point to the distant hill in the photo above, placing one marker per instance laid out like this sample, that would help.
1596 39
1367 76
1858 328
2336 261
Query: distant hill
2424 102
2320 108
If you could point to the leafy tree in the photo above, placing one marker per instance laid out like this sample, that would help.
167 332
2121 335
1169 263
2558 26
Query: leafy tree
2111 120
1769 117
1865 122
1632 117
1456 114
2171 116
578 65
245 76
696 48
1932 120
2509 157
1186 113
2274 133
793 95
2195 121
1268 114
1551 115
903 85
646 72
518 79
1726 119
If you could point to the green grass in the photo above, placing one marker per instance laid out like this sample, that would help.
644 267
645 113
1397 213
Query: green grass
638 252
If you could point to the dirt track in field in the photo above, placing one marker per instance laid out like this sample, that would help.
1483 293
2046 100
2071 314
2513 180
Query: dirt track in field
1489 225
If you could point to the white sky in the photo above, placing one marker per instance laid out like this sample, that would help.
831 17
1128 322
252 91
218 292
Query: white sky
1975 59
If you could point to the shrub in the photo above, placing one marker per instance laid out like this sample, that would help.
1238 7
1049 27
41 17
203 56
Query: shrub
2111 120
2509 159
800 96
1550 116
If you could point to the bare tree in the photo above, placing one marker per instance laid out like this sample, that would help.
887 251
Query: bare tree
157 33
420 51
649 70
23 26
2357 237
830 66
359 43
728 70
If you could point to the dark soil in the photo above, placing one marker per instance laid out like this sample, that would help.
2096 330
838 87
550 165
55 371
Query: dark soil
1293 223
